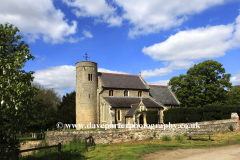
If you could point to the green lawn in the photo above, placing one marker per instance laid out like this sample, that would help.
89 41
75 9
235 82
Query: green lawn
134 149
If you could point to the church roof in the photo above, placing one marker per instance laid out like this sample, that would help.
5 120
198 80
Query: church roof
125 102
132 110
164 95
122 81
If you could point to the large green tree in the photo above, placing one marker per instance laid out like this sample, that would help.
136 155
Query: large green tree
67 109
234 95
204 83
16 91
49 100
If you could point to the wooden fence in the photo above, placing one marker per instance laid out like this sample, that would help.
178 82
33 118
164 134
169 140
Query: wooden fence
91 142
17 152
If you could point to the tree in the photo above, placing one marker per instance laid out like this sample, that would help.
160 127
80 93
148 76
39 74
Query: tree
204 83
50 99
16 91
234 95
67 109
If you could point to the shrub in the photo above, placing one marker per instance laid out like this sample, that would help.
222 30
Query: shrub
166 138
230 127
178 137
154 134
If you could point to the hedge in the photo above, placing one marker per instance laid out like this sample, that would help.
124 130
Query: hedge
193 114
152 117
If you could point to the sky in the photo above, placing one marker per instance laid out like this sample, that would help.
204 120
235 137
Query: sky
160 38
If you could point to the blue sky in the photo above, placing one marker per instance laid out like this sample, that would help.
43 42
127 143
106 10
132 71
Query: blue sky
160 38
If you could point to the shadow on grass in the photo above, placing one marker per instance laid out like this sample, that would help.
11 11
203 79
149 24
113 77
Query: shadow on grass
200 139
66 155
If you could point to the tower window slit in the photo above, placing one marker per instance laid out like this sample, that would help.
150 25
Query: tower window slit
89 77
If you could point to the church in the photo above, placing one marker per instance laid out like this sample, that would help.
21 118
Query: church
110 98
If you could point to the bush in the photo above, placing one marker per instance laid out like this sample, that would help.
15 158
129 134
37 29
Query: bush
166 138
178 137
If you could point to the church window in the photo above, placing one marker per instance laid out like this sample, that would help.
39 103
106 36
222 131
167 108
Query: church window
126 93
89 95
111 92
119 115
139 93
89 77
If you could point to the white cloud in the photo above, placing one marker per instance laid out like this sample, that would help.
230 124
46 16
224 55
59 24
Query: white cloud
151 16
195 44
37 19
162 82
109 71
167 70
235 79
87 34
147 16
61 77
95 8
236 39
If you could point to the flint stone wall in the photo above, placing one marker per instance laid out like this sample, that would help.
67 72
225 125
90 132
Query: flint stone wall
124 135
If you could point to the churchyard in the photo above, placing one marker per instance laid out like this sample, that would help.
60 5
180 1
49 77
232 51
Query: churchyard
134 149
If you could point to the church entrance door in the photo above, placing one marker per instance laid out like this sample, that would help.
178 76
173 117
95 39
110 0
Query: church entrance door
141 120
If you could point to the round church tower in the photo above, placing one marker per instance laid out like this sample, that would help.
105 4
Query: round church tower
86 93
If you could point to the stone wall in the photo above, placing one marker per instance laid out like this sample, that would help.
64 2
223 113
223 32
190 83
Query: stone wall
29 145
123 135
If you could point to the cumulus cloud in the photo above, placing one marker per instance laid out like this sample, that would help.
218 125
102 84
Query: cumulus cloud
167 70
195 44
61 77
146 16
235 79
151 16
162 82
86 34
99 9
37 19
109 71
236 38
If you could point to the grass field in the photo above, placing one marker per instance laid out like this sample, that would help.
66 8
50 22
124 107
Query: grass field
75 150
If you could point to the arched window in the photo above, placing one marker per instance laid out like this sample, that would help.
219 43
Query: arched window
89 77
139 93
126 93
111 92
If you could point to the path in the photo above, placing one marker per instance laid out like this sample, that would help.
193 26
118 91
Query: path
218 153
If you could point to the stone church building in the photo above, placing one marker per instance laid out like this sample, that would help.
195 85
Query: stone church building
110 98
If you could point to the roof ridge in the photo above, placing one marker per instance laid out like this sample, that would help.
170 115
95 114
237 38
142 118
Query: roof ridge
119 74
157 85
135 103
125 97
